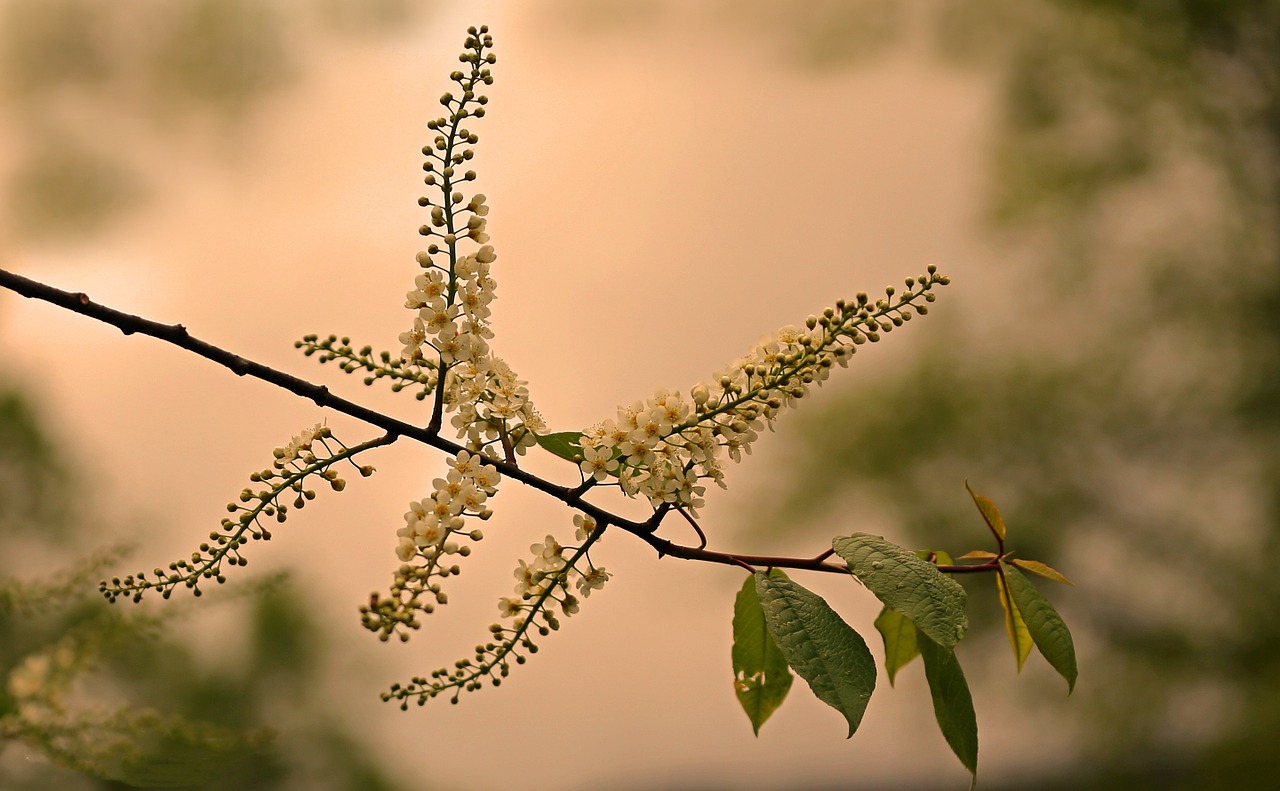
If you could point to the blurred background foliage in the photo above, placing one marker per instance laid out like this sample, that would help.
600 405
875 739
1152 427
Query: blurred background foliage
100 697
94 696
1123 407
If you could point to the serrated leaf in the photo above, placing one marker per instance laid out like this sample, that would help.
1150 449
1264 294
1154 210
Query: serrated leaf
1019 637
904 582
565 444
1036 567
952 702
978 554
827 653
990 514
761 677
899 640
1047 628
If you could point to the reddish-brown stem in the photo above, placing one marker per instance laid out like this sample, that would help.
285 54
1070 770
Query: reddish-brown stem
702 537
977 567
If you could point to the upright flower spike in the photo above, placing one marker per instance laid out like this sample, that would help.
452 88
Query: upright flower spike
451 298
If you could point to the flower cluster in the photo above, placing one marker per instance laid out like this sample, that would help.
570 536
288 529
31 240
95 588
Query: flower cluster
539 585
546 579
37 684
452 295
491 407
662 448
453 306
435 530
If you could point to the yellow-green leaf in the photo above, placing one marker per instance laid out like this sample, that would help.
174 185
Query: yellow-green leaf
990 514
1047 628
565 444
822 648
952 702
1019 637
761 678
978 554
935 556
1036 567
899 640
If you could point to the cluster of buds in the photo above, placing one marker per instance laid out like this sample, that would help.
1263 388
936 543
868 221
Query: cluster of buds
663 447
419 374
435 531
307 454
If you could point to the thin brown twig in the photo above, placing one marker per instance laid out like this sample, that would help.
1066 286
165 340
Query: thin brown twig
702 537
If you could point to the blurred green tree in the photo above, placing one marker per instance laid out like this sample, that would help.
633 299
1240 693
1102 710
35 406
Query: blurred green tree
91 88
1131 425
185 722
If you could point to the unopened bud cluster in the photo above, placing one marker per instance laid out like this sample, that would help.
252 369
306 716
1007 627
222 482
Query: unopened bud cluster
307 454
418 373
662 448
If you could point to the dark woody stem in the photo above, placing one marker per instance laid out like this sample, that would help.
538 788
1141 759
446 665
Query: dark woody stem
177 334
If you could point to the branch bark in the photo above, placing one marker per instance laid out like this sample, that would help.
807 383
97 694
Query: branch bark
177 334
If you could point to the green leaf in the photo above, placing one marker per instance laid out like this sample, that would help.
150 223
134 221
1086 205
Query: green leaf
565 444
824 650
176 763
1019 637
899 640
952 703
1036 567
990 514
935 556
1047 628
904 582
761 677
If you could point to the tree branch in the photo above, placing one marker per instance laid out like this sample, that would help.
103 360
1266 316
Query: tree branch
177 334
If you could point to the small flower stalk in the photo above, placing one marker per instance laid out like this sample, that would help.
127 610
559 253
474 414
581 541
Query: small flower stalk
311 455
